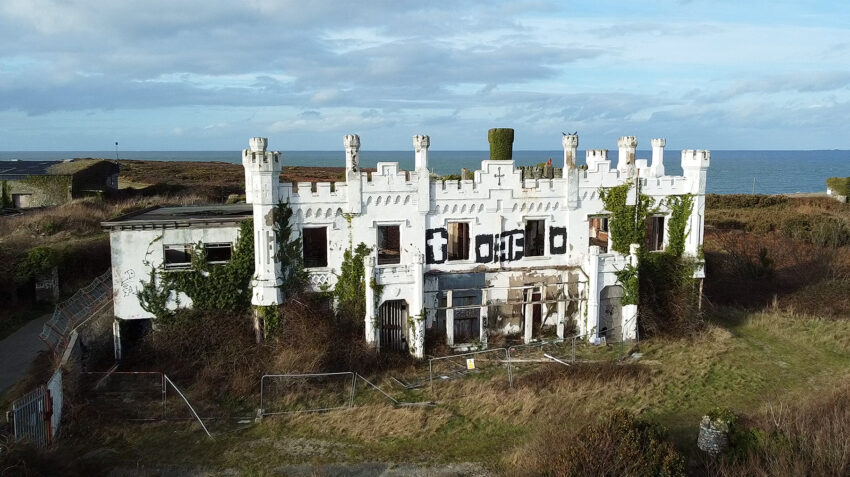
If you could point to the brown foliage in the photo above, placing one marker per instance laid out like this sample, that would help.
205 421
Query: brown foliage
617 444
810 438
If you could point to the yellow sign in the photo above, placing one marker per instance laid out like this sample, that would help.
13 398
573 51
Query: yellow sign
470 363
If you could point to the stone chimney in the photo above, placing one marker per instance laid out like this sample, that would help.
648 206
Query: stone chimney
657 167
352 152
421 143
627 146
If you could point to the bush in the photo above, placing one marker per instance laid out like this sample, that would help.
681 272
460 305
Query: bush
809 438
618 444
839 185
743 201
37 261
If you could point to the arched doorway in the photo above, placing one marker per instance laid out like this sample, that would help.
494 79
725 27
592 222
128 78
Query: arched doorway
611 313
393 316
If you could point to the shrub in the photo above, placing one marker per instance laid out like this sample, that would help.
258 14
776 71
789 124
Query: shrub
839 185
37 261
501 143
618 444
808 438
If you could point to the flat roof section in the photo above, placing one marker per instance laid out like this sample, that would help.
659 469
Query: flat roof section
12 169
184 216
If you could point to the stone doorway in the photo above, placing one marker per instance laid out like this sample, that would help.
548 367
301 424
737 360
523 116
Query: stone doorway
611 313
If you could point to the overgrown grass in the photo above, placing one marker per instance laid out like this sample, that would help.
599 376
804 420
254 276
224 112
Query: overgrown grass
741 361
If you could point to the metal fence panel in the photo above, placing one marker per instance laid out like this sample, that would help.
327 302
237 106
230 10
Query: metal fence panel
128 395
29 417
313 392
446 369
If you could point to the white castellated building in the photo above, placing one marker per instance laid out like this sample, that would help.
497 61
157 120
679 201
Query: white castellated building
496 252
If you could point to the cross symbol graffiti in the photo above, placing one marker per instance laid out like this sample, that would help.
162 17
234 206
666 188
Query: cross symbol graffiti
436 243
499 175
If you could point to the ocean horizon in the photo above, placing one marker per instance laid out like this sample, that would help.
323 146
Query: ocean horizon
731 172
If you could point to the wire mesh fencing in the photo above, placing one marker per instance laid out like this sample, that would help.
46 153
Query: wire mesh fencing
74 311
312 392
445 372
126 395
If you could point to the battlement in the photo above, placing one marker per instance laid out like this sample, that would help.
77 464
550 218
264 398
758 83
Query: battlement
658 142
696 158
258 159
627 142
569 140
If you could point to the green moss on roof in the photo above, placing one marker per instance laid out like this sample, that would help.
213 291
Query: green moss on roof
72 167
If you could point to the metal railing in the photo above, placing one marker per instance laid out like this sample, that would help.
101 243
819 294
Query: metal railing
462 369
75 311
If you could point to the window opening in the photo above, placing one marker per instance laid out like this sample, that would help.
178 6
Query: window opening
655 234
218 252
458 241
535 238
598 232
314 242
178 256
389 244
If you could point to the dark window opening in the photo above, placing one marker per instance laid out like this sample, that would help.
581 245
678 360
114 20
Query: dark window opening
389 244
598 232
218 252
466 319
314 242
655 234
458 241
178 257
535 238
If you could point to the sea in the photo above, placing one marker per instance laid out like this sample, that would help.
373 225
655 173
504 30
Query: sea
731 172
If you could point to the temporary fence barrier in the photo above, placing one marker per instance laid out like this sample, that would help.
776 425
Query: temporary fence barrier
459 365
168 381
132 395
313 386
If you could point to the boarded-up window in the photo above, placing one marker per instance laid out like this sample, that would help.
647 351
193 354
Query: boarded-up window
389 244
598 232
218 252
178 256
535 238
458 241
314 242
655 233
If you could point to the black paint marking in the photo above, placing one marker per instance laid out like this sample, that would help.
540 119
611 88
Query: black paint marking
436 240
484 241
557 232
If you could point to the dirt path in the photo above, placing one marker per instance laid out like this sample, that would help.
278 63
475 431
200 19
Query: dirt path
18 350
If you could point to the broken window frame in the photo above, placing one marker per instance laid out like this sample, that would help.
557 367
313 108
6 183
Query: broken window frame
656 245
604 228
464 243
186 249
218 246
308 261
387 255
541 248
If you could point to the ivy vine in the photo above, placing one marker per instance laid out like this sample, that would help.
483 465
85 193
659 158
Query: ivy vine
680 210
57 189
350 290
289 252
627 223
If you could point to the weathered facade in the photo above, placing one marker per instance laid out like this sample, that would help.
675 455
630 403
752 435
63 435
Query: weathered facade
494 253
28 184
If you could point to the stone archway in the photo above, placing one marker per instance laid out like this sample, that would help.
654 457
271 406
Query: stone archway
610 323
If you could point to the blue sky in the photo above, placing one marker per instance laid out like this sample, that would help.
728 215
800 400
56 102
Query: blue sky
202 75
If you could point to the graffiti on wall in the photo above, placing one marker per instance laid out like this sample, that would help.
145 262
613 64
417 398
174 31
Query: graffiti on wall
507 246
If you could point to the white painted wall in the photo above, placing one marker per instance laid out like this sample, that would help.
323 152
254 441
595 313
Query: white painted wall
135 252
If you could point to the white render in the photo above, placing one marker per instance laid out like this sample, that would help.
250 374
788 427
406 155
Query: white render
567 282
